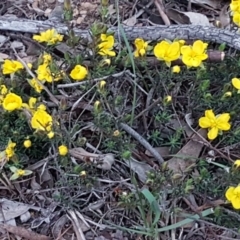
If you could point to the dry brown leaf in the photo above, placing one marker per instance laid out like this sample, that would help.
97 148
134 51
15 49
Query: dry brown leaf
140 168
111 9
36 8
215 4
187 17
224 17
11 209
130 21
3 56
188 155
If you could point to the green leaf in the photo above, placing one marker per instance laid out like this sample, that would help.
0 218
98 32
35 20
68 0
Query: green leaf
222 47
13 169
153 205
27 172
14 176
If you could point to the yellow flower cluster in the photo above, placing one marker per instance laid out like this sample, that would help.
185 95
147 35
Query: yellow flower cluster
106 45
235 8
141 47
41 120
10 150
192 56
50 37
44 72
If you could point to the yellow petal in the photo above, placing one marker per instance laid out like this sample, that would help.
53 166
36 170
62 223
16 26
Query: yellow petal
160 49
229 193
174 51
186 50
136 54
236 83
187 60
235 201
204 122
210 115
139 43
212 134
222 121
196 62
237 163
198 47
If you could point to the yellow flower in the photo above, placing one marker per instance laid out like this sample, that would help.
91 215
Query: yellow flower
192 56
101 86
97 106
167 52
63 150
50 37
227 94
236 18
41 120
181 42
141 47
27 143
50 134
106 46
233 196
44 73
83 174
235 6
31 104
176 69
47 58
78 73
10 66
237 163
12 102
17 173
116 133
37 87
214 123
3 89
105 62
10 149
236 83
29 65
58 76
42 107
168 99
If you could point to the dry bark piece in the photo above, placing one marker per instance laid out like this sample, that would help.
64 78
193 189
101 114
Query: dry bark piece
185 32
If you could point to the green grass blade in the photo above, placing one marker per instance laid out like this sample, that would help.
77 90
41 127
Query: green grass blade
153 205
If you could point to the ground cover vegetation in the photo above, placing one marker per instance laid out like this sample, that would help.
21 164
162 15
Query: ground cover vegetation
53 109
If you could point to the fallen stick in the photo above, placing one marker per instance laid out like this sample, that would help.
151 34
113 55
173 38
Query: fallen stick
23 232
185 32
